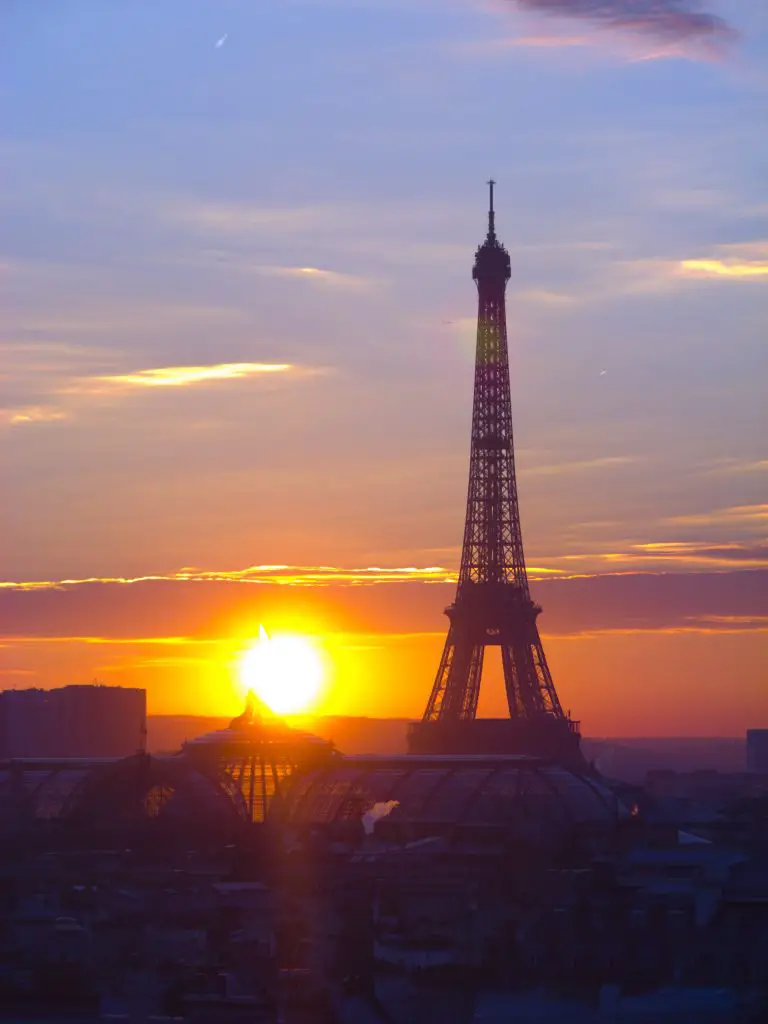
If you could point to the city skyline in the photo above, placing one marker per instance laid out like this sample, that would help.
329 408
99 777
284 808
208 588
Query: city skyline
241 337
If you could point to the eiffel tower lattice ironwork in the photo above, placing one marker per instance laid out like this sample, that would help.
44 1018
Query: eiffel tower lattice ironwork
493 605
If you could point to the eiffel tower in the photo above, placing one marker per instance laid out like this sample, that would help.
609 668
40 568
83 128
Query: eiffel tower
493 605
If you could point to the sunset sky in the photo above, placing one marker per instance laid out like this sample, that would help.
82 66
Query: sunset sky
237 346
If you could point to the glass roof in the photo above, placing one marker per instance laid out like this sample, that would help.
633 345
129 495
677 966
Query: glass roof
99 789
450 791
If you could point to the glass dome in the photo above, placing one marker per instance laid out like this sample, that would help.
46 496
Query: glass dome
457 796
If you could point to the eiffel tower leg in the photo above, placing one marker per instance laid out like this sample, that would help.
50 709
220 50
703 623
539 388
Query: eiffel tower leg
457 684
462 687
437 697
527 681
546 686
515 702
471 689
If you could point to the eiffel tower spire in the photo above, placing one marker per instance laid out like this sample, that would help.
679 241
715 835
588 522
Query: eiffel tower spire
493 605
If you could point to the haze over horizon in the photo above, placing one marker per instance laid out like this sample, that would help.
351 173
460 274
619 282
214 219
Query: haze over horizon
239 340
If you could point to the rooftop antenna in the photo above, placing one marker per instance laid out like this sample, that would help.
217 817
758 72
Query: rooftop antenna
491 214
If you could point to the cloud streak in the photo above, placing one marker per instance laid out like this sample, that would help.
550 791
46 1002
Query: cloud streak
116 384
693 554
319 275
173 613
285 575
184 376
32 414
667 21
579 465
743 517
723 268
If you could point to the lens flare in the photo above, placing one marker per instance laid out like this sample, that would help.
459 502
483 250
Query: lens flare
284 671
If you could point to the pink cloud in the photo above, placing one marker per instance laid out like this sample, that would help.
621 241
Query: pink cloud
666 20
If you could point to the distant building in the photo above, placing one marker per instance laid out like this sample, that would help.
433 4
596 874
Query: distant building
73 721
757 751
704 789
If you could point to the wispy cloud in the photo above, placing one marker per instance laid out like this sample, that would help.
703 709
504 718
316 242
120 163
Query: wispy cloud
578 466
249 218
738 466
98 317
50 356
667 21
57 391
692 554
545 297
741 516
318 275
734 260
723 268
655 275
180 376
32 414
750 621
160 617
290 575
549 41
694 627
642 30
283 575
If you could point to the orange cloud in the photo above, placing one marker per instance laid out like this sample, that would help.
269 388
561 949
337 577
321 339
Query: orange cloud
182 376
693 554
32 414
723 268
283 575
286 575
578 465
734 515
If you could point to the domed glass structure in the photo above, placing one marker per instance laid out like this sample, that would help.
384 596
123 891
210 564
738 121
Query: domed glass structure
119 793
167 790
462 798
256 756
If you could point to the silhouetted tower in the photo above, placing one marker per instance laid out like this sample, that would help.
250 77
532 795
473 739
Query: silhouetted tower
493 605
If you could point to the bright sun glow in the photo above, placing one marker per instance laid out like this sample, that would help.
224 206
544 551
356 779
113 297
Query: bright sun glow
283 671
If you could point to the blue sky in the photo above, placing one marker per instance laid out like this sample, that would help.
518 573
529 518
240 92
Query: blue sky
164 193
293 213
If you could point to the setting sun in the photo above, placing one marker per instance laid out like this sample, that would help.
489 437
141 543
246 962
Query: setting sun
284 671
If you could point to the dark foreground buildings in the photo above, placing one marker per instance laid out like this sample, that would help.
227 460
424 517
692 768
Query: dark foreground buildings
141 887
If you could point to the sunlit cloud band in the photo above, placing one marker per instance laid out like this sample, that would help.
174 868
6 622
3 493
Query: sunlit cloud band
183 376
723 268
31 414
283 575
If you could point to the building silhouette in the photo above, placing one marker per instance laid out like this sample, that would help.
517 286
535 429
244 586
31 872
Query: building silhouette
757 751
73 721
